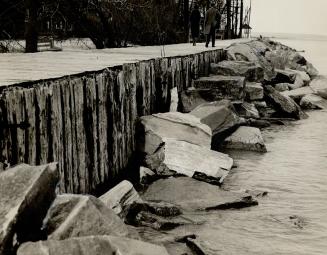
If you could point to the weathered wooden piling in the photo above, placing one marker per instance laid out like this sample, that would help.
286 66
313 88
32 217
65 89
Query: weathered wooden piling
86 122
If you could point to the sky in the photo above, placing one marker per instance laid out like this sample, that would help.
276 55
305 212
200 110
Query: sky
289 16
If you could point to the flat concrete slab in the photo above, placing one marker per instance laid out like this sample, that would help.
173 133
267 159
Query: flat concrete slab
21 67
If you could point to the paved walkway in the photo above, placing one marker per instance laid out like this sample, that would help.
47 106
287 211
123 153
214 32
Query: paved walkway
21 67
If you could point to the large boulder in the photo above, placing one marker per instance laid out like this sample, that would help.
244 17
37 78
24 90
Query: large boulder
249 70
253 91
246 110
191 160
121 197
313 102
281 87
92 245
249 52
26 193
220 116
80 215
284 105
319 86
295 78
246 138
190 194
192 97
297 94
154 130
223 87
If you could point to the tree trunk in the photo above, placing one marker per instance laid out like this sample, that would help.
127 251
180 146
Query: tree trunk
31 25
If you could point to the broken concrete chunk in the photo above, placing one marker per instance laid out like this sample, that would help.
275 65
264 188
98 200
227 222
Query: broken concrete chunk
224 87
92 245
172 125
248 52
319 86
313 102
249 70
247 110
219 115
120 197
26 193
282 87
193 160
297 94
253 91
79 215
246 138
284 105
191 194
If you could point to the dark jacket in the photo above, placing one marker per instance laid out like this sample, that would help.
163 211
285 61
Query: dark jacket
195 23
210 20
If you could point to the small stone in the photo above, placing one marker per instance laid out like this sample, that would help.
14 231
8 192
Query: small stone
120 197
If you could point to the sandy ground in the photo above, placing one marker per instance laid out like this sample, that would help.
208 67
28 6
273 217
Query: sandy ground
73 59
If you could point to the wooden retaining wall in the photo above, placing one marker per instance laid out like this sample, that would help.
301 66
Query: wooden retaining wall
86 122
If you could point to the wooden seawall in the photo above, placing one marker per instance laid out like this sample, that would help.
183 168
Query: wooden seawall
86 122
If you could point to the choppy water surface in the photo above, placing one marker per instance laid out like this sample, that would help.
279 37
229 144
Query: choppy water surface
294 172
292 219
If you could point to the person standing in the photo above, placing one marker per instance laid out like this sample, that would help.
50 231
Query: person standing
195 23
210 25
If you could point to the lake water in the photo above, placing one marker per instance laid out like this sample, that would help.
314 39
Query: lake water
292 219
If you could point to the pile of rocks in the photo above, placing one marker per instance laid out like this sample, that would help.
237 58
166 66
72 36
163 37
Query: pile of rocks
36 220
182 166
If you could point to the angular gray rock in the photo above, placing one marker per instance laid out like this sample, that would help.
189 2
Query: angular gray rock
247 110
120 197
92 245
313 102
26 193
319 86
250 53
297 94
79 215
284 105
146 175
175 125
191 194
196 161
219 116
282 87
223 87
192 97
295 78
253 91
246 138
249 70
